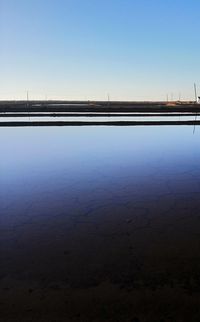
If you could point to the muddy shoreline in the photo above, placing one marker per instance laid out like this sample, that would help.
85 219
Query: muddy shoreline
98 106
32 123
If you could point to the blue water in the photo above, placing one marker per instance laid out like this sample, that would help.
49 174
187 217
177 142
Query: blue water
97 192
69 161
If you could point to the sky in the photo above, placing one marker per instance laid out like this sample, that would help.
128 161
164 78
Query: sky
89 49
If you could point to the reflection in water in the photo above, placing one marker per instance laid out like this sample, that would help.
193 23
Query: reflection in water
108 118
82 207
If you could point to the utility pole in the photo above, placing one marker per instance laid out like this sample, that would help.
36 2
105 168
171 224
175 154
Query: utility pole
195 92
27 99
108 99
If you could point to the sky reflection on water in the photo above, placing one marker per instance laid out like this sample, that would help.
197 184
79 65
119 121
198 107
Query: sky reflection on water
59 163
112 197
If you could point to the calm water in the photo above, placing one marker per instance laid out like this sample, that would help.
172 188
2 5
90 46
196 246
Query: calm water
170 117
81 206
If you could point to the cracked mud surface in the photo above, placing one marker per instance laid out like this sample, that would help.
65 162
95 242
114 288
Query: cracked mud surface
100 230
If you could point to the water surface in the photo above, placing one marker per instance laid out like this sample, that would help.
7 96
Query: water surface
99 209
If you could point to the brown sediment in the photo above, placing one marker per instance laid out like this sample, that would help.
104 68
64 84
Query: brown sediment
86 114
98 106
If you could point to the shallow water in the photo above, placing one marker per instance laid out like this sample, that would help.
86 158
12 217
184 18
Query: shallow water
82 206
108 118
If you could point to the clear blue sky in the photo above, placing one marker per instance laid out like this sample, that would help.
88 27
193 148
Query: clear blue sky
84 49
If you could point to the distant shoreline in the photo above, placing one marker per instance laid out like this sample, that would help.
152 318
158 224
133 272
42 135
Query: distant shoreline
97 123
98 106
